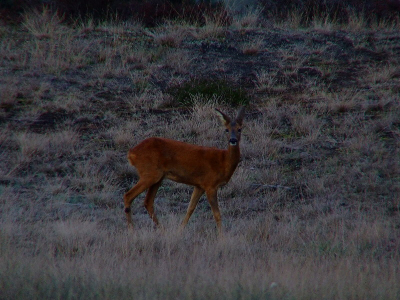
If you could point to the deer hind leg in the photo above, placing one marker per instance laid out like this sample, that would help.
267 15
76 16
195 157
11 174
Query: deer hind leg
212 199
197 192
149 201
140 187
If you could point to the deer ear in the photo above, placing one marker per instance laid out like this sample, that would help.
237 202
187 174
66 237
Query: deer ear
240 116
223 117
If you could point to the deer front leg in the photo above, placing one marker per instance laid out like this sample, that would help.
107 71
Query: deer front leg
197 192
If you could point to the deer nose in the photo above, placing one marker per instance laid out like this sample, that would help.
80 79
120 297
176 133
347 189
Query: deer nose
233 141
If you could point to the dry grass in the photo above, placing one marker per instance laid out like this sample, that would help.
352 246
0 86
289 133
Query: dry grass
82 258
312 211
170 35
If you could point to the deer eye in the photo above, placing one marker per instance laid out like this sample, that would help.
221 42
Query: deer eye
226 130
239 130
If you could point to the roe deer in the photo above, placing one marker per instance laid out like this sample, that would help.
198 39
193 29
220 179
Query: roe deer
202 167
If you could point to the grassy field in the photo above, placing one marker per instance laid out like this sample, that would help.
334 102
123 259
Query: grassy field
312 211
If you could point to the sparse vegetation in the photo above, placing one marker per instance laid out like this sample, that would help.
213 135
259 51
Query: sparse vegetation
312 212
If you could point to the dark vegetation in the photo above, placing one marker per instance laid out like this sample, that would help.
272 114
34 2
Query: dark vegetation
333 10
153 12
149 12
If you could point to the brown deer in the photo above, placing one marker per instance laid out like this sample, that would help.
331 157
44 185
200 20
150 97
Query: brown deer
202 167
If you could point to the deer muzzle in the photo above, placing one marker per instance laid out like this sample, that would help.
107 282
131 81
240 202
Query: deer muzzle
233 141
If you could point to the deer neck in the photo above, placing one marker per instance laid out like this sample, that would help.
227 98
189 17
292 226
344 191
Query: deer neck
233 158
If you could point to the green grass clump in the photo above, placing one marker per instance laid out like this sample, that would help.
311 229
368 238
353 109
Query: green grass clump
221 90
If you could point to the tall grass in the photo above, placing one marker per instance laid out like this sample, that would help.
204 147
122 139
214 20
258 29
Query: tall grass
336 259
